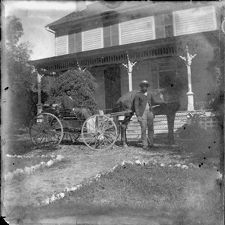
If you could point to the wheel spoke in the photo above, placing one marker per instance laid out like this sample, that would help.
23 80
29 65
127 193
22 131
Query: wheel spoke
43 129
105 135
90 139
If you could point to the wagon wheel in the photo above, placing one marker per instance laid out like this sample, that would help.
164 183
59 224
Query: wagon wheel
46 129
99 132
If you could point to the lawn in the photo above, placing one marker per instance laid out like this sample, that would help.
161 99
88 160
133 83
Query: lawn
159 193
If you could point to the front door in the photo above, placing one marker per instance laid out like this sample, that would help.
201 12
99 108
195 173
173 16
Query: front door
174 86
166 79
112 86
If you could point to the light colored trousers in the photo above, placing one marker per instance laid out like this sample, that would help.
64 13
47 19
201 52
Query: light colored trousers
147 122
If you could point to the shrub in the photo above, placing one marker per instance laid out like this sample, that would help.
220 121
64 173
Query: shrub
82 85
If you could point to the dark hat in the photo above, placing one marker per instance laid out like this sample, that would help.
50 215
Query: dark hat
144 83
67 89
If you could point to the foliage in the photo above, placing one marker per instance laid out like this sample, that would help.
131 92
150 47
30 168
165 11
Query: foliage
192 131
19 72
216 67
82 85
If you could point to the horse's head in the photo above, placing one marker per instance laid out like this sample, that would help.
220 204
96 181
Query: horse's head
125 102
158 96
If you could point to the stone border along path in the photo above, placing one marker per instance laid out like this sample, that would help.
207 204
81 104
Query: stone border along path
136 161
62 194
30 156
32 169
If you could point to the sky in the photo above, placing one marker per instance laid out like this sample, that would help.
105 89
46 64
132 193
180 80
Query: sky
35 15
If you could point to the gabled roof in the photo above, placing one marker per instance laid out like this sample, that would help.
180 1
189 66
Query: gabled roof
97 8
123 8
93 9
79 15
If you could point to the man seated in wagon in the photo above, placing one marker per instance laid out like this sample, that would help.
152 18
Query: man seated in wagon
69 106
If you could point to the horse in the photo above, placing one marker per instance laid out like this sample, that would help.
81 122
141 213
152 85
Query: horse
165 102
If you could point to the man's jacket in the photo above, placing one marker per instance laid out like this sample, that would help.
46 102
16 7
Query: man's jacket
140 101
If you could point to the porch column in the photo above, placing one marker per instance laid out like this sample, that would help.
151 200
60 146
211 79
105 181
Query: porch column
129 66
188 60
39 104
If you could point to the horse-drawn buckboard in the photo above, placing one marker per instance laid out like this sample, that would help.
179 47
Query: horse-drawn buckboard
99 131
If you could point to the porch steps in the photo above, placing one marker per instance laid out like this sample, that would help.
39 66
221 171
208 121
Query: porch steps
160 125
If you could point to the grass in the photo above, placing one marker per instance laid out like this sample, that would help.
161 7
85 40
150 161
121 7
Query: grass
177 194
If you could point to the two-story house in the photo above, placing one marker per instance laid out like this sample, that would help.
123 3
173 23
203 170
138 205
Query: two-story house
153 34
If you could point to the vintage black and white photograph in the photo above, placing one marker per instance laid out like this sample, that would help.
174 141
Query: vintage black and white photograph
112 112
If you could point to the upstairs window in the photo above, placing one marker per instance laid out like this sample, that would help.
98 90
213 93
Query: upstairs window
164 25
137 30
111 35
194 20
61 44
75 43
92 39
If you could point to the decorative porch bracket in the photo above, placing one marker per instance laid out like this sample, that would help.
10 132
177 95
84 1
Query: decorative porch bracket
188 61
39 104
129 66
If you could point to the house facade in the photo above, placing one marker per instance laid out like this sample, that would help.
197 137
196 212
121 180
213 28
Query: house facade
103 35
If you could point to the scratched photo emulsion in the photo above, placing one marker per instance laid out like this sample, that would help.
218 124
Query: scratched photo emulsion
112 112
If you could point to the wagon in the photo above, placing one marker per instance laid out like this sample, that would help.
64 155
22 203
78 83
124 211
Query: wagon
52 126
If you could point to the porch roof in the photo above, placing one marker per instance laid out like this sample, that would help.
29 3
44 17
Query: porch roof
111 55
118 54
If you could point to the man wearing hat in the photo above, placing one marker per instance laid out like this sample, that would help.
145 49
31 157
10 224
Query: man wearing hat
143 109
68 102
69 105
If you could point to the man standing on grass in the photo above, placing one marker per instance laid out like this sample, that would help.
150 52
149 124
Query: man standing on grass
143 109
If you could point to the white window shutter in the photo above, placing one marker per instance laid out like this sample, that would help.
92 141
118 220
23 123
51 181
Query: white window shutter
92 39
61 45
194 20
137 30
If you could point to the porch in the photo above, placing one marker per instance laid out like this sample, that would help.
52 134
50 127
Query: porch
207 122
157 60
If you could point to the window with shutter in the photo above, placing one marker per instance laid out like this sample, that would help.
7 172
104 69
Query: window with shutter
114 34
71 42
159 26
106 34
111 35
168 21
92 39
137 30
194 20
74 44
61 45
163 25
